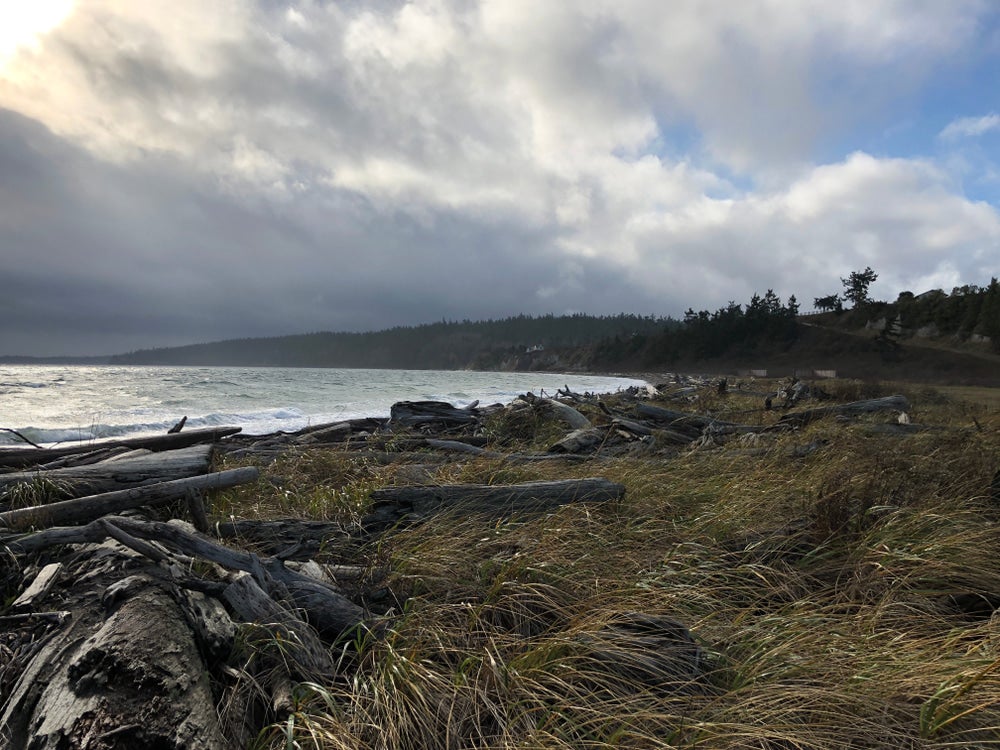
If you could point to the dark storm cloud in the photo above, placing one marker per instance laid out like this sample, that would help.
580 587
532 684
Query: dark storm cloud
128 259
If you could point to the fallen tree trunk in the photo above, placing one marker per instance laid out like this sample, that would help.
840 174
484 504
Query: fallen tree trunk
84 509
679 421
125 672
417 413
567 413
391 505
119 472
853 409
326 609
21 457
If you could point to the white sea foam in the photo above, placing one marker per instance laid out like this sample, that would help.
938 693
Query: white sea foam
106 402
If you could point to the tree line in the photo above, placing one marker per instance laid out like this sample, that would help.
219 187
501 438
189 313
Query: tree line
764 324
443 345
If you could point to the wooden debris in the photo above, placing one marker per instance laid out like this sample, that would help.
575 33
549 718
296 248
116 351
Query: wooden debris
391 505
579 440
123 679
84 509
423 413
119 472
38 589
567 413
21 457
853 409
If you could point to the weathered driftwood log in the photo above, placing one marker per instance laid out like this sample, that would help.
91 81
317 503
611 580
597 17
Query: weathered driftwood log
580 440
646 651
391 505
299 643
119 472
567 413
336 432
21 457
900 430
124 672
853 409
332 615
84 509
418 413
679 421
82 459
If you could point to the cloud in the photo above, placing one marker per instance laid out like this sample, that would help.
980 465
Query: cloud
970 127
252 168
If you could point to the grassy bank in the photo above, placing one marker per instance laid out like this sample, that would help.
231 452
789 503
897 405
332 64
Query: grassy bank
839 584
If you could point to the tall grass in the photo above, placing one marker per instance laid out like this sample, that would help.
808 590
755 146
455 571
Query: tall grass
841 599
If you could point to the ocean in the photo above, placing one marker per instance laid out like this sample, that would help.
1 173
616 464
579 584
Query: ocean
60 404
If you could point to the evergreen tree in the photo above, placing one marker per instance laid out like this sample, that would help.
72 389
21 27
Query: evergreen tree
856 286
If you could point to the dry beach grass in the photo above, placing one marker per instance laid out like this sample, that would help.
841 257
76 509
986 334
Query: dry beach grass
836 597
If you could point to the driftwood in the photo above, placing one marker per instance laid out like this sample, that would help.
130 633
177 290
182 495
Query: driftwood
391 505
580 440
567 413
39 587
119 472
83 509
83 459
336 432
679 421
853 409
124 671
332 617
419 413
20 457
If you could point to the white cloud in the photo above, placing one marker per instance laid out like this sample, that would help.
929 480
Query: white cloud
970 127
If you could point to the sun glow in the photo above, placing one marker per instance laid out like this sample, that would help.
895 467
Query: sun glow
23 21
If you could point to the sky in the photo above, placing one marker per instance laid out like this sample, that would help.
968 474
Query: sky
188 171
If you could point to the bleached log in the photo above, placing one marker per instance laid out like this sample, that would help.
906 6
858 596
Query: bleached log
326 609
21 457
147 468
579 440
567 413
132 678
84 509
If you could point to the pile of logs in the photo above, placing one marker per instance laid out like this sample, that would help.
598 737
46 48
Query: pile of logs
125 615
124 625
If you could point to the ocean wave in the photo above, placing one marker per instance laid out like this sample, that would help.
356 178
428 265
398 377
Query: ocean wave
255 423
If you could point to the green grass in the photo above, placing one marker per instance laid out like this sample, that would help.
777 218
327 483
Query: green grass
823 592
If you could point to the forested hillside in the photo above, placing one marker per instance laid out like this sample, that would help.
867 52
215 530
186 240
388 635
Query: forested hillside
493 344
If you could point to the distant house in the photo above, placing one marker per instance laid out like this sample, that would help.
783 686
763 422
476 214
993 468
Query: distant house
535 348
